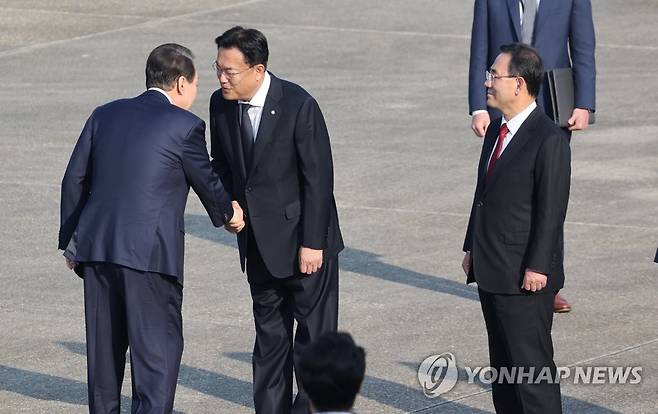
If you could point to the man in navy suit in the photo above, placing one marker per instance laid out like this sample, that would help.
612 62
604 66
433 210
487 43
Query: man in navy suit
562 31
122 229
271 147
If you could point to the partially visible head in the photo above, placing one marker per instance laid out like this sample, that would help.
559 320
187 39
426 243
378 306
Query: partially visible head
170 67
517 72
331 370
241 62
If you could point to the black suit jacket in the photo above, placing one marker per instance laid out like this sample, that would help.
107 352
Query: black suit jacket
126 185
517 216
288 193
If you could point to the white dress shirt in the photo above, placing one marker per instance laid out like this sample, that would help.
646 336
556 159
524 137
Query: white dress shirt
513 126
257 102
162 92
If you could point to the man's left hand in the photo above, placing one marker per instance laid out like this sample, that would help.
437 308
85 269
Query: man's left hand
70 263
534 281
310 260
579 119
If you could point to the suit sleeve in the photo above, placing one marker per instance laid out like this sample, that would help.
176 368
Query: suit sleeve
468 240
552 181
582 42
316 169
477 98
202 178
76 184
219 162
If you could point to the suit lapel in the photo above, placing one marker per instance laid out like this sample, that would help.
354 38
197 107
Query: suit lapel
268 120
231 128
487 148
515 16
525 132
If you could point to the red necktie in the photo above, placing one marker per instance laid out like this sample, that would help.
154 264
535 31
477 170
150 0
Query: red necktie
502 133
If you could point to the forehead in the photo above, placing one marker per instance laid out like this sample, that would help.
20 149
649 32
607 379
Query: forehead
501 63
230 58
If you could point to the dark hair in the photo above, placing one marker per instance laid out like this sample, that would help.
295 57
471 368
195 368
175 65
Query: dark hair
250 42
167 63
526 63
331 370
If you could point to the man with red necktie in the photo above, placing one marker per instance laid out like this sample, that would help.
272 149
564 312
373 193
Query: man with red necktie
562 32
512 242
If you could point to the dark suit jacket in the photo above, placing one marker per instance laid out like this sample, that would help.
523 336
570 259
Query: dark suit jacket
517 215
288 193
562 28
126 185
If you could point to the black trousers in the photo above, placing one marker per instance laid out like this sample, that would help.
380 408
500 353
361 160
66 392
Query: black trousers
519 332
141 310
310 300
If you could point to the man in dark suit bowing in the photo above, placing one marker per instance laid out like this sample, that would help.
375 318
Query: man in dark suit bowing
123 199
563 34
271 147
511 244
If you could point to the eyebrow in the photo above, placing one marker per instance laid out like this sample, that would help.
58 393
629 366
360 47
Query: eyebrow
222 67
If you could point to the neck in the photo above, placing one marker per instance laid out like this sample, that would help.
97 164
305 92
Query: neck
251 94
517 107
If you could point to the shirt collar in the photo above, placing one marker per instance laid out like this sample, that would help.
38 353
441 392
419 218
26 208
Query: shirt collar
259 98
162 92
515 123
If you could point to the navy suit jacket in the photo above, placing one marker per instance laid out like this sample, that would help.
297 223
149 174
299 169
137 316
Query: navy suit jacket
562 28
126 185
288 192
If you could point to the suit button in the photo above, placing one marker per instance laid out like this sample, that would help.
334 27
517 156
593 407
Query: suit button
248 190
479 204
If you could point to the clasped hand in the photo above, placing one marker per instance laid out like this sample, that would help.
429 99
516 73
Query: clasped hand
237 222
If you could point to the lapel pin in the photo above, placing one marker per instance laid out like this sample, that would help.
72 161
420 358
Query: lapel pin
273 112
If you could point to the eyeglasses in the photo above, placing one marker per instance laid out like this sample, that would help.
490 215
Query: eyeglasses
229 74
490 77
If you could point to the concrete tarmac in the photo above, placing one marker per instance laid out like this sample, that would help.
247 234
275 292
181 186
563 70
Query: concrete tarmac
391 78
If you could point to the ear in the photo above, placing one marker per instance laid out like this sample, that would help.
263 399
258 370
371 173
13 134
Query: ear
520 83
180 85
260 69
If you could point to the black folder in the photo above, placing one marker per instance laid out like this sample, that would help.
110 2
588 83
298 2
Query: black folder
560 85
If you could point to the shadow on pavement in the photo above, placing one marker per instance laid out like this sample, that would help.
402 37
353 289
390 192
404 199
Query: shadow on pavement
353 260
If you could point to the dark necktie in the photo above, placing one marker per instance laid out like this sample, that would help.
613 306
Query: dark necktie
247 134
502 133
528 26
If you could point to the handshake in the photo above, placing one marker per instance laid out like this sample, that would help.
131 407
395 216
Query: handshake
237 222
